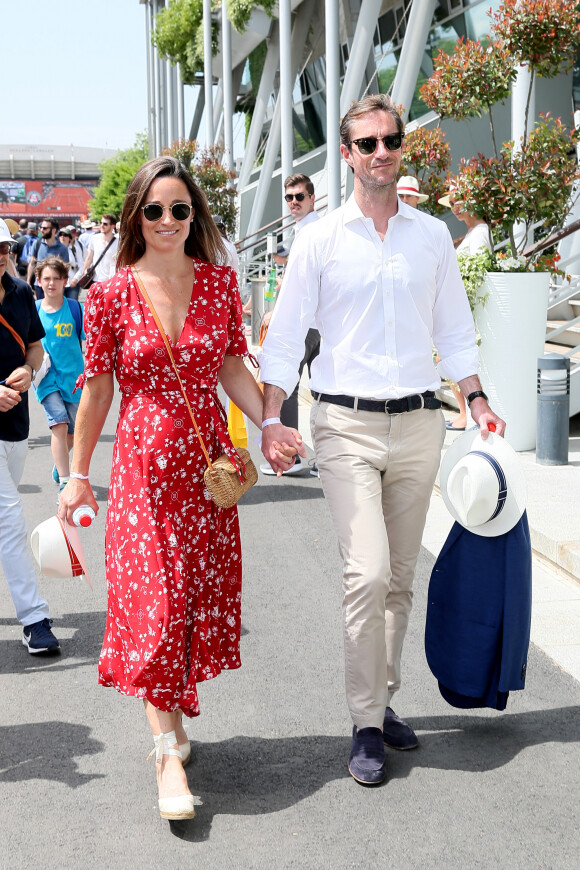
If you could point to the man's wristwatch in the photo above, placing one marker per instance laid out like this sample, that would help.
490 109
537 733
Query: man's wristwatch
477 394
32 371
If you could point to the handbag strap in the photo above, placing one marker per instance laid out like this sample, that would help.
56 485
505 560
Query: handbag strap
14 334
170 353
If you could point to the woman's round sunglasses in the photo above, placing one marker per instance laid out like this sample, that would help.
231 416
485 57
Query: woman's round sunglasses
368 144
181 211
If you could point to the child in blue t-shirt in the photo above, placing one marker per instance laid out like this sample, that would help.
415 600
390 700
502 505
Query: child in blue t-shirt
62 321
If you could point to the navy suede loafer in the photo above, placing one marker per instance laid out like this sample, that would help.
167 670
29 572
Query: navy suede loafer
396 733
367 756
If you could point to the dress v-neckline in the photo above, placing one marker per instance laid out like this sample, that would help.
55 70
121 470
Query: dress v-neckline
184 324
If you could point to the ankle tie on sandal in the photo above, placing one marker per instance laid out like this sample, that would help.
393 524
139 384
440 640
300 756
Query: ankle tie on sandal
164 744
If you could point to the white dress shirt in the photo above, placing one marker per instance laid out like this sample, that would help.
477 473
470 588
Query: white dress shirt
475 240
380 306
310 218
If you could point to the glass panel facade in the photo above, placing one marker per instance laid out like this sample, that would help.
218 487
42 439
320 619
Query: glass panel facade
452 20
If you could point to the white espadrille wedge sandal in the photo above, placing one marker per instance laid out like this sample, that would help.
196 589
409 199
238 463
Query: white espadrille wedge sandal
181 806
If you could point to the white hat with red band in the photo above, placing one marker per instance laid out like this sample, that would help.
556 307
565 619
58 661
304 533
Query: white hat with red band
409 186
58 550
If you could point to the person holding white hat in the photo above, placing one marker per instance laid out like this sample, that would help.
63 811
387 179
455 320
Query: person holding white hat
477 629
383 283
20 355
408 191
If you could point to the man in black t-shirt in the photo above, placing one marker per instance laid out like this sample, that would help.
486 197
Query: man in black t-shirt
20 355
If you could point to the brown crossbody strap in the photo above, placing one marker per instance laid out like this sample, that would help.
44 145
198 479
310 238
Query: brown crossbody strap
14 334
169 351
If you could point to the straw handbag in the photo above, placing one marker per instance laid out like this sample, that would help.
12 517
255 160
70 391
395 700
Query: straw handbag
226 483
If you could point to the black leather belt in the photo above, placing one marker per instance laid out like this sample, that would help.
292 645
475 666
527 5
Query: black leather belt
390 406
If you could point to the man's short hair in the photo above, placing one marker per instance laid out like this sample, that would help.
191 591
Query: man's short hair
23 224
112 218
299 178
54 223
372 103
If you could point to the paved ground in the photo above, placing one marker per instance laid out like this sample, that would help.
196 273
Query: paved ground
484 790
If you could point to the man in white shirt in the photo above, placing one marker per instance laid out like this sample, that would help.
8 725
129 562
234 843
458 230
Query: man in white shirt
383 282
103 250
299 196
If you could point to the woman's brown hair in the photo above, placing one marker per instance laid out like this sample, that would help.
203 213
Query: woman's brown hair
204 240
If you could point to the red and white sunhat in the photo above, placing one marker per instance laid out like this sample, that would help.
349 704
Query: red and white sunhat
409 186
58 551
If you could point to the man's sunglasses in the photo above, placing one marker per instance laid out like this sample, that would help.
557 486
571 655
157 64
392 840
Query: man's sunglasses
297 196
368 144
181 211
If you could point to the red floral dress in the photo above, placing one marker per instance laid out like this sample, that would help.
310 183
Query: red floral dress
173 558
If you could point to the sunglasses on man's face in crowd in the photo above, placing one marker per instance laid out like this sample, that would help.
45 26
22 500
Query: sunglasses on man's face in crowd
5 247
297 196
368 144
181 211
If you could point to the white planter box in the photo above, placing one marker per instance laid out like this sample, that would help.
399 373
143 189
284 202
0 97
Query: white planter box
512 326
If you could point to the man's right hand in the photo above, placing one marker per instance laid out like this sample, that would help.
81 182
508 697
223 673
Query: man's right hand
279 446
9 398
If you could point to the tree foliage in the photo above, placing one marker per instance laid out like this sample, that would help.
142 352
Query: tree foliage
178 33
427 156
178 36
527 181
116 173
240 11
543 34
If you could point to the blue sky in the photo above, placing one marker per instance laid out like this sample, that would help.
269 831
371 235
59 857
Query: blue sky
78 70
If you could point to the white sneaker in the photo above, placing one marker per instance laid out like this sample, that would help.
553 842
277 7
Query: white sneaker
266 468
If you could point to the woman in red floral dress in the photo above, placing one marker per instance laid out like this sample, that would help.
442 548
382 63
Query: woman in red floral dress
173 558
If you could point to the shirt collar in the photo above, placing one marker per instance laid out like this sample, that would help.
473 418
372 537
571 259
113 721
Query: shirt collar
8 282
352 211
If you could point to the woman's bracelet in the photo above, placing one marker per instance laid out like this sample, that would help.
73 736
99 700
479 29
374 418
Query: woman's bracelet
271 421
77 476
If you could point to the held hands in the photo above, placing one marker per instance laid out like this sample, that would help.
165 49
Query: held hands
486 419
76 493
280 446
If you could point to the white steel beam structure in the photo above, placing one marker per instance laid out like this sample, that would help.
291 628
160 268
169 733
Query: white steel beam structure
409 65
207 73
285 95
180 105
299 34
333 157
228 95
359 53
264 91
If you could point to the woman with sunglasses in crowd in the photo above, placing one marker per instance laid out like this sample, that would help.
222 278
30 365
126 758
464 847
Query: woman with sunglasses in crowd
173 559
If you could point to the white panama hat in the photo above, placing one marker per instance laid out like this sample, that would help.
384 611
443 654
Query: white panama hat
483 484
58 551
408 185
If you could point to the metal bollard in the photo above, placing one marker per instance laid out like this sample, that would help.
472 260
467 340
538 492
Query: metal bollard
553 409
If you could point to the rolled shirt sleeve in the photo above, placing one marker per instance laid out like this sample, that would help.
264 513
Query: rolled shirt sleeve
283 348
453 327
